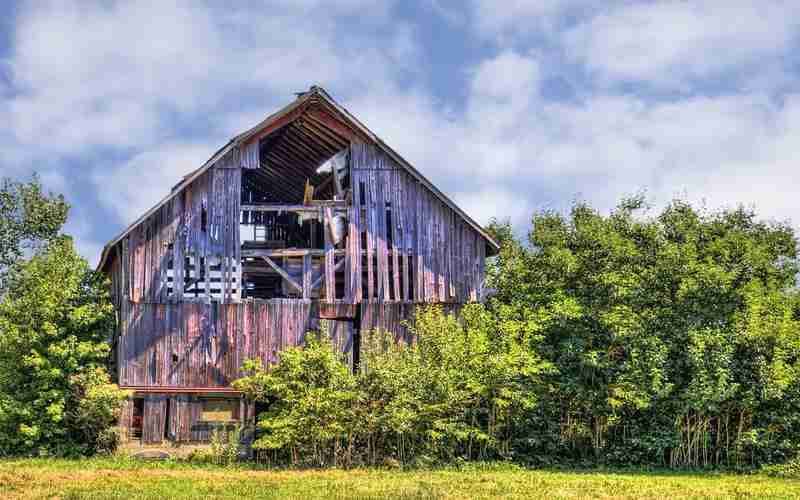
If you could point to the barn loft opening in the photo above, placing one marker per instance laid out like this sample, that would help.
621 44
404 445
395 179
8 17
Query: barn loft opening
303 169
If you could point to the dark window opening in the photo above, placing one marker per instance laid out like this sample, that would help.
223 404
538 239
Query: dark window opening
203 219
260 285
153 366
167 408
411 277
136 418
389 231
282 215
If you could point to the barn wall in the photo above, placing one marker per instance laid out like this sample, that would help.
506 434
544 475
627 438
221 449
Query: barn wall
185 424
202 225
204 344
422 251
395 318
153 419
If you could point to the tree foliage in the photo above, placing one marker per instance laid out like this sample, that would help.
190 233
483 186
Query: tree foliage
29 218
630 338
452 394
674 337
55 322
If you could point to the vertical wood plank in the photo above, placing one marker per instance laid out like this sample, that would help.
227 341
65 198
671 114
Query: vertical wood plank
382 250
330 275
370 230
354 235
307 274
396 230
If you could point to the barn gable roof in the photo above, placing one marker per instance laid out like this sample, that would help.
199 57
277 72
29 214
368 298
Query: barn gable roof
315 96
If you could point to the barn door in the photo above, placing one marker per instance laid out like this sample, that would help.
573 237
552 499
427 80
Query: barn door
154 419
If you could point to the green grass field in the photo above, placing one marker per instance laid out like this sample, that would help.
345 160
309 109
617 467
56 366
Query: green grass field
106 479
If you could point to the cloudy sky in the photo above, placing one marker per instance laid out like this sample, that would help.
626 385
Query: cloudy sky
508 109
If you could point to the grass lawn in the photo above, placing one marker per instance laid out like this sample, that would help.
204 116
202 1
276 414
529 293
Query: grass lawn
127 479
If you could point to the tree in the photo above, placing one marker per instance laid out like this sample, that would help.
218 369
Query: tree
29 218
673 336
55 322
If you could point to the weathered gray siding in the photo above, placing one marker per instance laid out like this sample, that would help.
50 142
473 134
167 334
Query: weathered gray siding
204 344
428 254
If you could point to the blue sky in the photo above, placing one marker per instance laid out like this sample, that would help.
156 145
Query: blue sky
509 108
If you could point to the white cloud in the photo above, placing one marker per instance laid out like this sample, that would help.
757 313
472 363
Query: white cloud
523 18
131 188
131 96
140 100
665 43
110 75
668 41
724 150
502 88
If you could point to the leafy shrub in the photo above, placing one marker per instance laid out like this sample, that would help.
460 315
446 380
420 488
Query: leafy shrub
312 394
454 392
790 469
225 450
56 319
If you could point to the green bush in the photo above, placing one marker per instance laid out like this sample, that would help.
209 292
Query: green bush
55 393
625 340
674 336
455 392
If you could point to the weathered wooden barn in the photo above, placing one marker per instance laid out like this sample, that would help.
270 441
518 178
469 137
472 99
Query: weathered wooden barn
306 216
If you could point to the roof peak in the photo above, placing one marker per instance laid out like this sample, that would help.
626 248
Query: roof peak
285 115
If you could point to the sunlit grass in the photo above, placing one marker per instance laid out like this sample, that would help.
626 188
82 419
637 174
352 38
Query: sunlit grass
128 479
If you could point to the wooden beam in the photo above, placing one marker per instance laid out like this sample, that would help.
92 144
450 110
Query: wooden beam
326 120
288 252
276 124
180 390
330 277
338 205
283 273
321 277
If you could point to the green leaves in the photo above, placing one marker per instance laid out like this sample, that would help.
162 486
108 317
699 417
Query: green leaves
29 218
457 391
55 319
311 396
685 318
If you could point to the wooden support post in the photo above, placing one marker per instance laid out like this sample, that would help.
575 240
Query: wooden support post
307 276
330 273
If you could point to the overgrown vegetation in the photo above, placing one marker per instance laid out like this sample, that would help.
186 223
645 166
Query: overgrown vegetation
456 393
56 396
224 449
674 338
629 339
624 339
